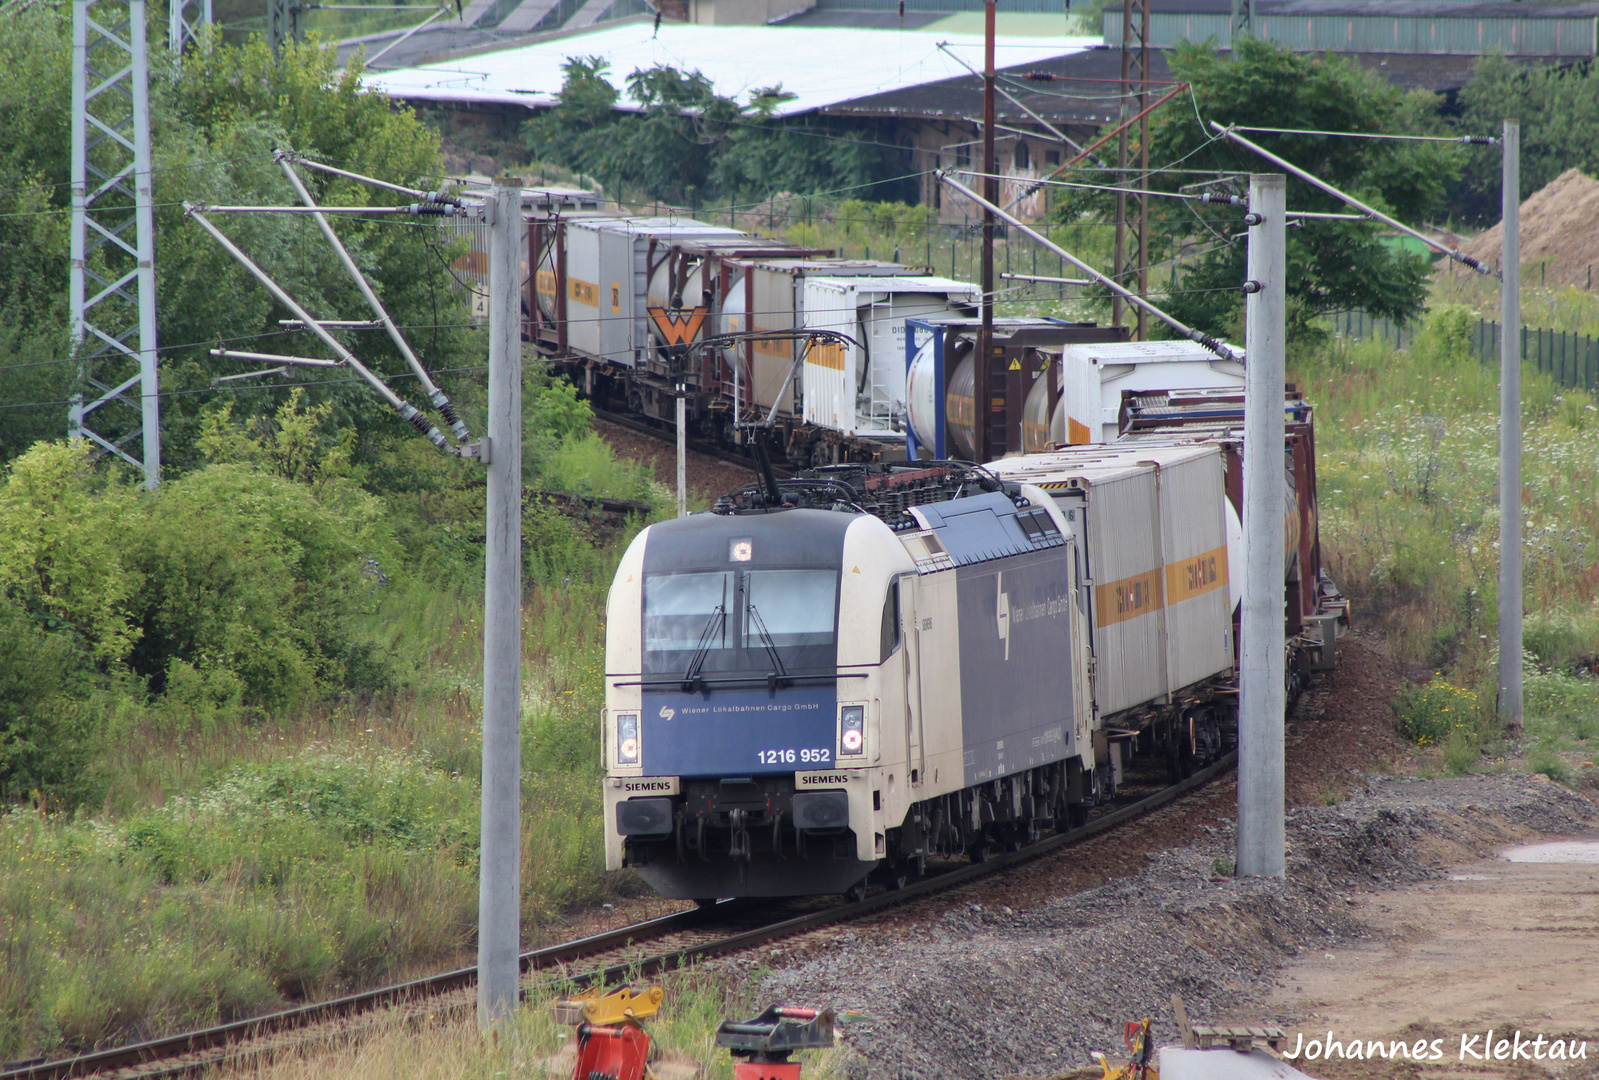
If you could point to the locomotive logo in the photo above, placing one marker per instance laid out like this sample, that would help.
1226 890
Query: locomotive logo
667 713
676 326
1002 612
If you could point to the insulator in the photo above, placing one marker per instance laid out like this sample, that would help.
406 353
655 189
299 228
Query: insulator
1253 218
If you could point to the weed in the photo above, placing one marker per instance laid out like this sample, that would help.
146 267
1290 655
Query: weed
1432 714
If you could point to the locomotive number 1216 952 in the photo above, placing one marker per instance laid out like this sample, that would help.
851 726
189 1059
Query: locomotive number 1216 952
790 757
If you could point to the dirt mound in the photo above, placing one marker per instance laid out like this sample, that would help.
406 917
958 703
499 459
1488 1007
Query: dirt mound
1559 229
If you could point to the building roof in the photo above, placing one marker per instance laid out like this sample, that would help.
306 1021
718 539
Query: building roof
1088 82
821 66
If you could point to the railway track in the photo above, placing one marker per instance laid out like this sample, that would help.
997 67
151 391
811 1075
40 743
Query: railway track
644 948
698 446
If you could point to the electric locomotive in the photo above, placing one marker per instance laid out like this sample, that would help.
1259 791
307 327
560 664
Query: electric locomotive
849 671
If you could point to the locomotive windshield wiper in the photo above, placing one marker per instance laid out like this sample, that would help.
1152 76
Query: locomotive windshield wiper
713 628
778 670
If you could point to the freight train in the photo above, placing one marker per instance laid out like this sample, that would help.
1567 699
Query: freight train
867 666
623 305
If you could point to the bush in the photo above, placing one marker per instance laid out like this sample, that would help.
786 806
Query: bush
1445 337
251 574
64 528
1428 715
45 727
1562 640
585 464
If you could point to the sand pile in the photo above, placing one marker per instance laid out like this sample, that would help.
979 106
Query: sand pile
1559 229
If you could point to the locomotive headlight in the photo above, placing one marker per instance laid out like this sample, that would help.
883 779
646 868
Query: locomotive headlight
741 550
627 739
852 730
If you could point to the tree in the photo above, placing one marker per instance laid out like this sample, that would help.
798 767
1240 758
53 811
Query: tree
215 122
1559 112
1332 265
687 143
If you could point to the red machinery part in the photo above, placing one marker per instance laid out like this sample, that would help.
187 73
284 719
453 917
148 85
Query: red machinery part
612 1053
766 1070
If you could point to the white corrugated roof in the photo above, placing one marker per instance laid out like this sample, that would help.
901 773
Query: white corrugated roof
822 65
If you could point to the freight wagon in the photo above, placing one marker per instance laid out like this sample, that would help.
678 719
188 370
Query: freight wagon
941 375
1316 613
1079 401
619 302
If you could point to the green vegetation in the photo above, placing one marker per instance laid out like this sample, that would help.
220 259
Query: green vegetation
690 145
1333 265
1408 470
1559 112
238 713
269 736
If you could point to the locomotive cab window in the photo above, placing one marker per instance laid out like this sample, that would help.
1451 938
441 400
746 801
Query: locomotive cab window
891 631
738 621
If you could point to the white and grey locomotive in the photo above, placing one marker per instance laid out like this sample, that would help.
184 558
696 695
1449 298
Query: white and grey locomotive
868 666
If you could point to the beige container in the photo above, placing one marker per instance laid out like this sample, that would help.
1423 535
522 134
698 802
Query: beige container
1151 522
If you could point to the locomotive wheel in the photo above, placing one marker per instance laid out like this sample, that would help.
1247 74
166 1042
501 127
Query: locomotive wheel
704 901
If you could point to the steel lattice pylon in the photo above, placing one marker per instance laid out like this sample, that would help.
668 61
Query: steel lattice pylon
1243 20
184 22
112 277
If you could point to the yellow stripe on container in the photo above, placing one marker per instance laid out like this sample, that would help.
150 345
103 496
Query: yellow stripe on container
1118 601
827 355
1196 575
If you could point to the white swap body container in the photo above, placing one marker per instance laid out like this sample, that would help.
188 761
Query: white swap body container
608 281
1151 523
769 294
1092 378
859 390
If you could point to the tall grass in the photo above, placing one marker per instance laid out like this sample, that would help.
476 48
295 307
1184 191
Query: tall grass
1408 482
242 859
1572 309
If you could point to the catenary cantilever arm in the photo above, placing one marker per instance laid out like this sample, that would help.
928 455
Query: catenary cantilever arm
407 411
1220 348
1378 215
435 395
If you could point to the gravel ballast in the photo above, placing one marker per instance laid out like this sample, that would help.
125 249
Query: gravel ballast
986 991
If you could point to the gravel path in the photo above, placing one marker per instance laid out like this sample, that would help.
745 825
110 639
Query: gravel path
1025 973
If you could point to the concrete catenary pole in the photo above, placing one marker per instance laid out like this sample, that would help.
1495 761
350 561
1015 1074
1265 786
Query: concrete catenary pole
1510 433
982 390
1263 694
682 446
500 871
